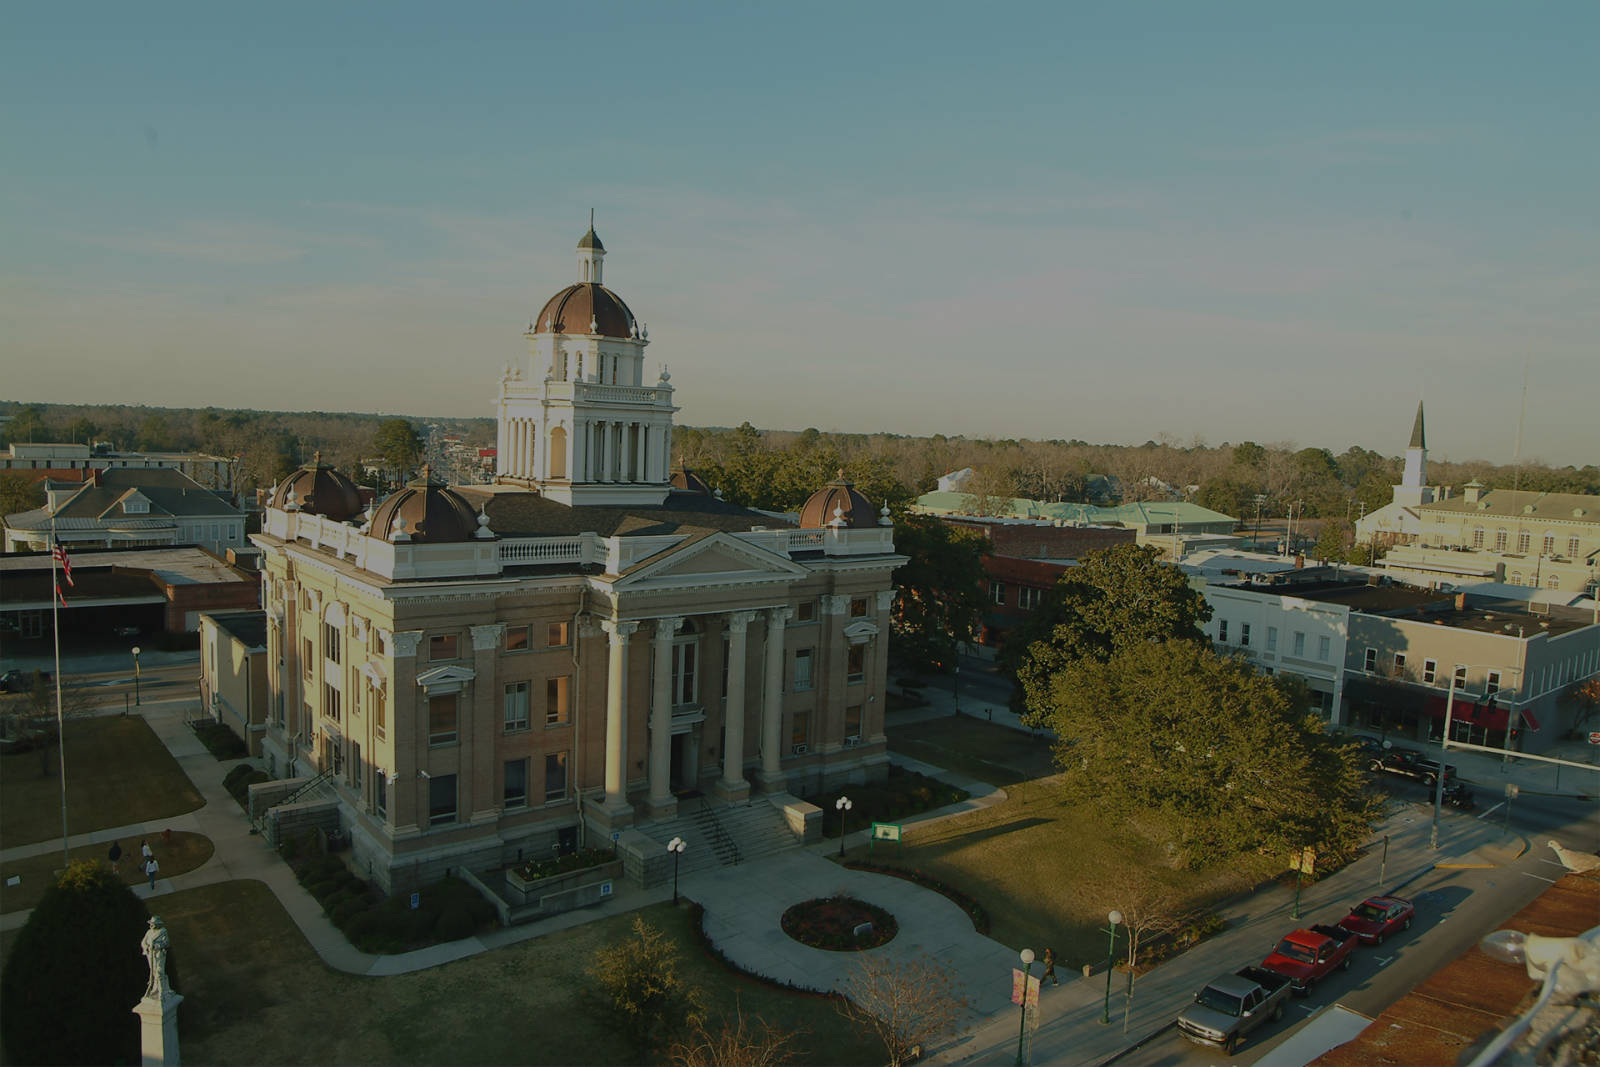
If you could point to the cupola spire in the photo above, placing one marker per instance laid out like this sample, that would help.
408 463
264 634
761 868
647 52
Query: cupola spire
591 254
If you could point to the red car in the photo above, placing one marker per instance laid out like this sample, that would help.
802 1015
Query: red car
1377 917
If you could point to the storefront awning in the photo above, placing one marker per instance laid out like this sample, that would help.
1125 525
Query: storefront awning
1487 714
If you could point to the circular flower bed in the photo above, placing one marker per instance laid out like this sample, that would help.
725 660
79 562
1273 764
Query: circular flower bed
831 923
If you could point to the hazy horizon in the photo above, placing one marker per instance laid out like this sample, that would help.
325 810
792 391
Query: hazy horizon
1042 221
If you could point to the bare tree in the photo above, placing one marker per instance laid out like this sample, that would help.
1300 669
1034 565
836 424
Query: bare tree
30 718
989 490
1150 909
909 1005
738 1044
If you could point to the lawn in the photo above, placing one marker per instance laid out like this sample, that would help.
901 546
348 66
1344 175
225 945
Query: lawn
255 992
181 854
118 772
998 755
1041 868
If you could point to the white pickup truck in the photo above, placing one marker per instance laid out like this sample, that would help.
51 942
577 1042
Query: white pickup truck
1232 1005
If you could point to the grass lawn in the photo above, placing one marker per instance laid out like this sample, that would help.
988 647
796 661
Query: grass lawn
255 992
1042 868
998 755
182 854
118 772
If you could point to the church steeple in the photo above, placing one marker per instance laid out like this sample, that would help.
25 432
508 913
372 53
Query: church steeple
1417 438
1413 488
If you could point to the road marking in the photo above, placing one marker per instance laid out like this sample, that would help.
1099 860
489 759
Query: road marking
1541 877
1492 810
1384 961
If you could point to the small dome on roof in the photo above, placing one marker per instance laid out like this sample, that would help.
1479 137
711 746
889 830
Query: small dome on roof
590 240
319 489
427 512
690 482
838 503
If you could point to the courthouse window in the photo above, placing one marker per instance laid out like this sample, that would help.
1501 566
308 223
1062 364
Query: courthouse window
802 670
555 700
516 710
442 719
441 799
858 608
556 636
515 794
856 663
517 638
443 646
555 776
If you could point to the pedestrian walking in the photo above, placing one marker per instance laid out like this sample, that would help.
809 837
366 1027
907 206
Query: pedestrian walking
144 850
151 867
1050 967
116 857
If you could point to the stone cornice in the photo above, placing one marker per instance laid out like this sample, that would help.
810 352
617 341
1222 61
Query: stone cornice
487 638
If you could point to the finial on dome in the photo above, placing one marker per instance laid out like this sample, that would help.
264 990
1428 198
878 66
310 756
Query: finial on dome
483 533
316 457
644 331
666 375
594 324
397 530
883 516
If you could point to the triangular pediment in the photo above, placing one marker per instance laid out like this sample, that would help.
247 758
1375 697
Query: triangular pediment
716 559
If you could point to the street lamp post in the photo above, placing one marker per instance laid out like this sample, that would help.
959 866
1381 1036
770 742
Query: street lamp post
955 685
1111 957
844 806
1444 741
1022 1025
676 847
135 675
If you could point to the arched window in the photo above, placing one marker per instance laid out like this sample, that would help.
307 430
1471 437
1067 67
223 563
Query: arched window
1549 543
1500 540
1524 542
1516 578
558 452
1553 582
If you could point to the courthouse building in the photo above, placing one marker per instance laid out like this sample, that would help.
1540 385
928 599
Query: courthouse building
565 654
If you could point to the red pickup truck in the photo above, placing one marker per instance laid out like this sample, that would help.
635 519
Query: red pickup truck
1305 957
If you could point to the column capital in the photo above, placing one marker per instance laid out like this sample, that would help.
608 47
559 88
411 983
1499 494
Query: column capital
885 599
619 629
588 625
779 616
487 638
667 626
835 605
405 643
739 621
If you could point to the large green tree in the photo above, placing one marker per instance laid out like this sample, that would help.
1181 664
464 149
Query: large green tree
1225 758
939 592
76 971
398 442
1119 597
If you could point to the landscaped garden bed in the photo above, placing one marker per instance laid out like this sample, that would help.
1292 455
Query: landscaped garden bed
537 879
219 740
447 910
902 794
839 924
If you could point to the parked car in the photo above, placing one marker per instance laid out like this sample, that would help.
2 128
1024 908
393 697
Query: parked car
21 681
1377 917
1409 763
1233 1005
125 631
1307 956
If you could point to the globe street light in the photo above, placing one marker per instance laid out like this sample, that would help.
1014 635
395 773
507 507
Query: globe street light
1111 957
676 847
844 806
1022 1025
135 675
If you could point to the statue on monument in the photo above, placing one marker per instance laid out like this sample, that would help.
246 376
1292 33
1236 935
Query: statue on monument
155 952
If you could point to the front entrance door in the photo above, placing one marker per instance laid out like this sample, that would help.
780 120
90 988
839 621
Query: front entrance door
685 769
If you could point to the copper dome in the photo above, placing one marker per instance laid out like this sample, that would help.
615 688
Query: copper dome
838 499
319 489
432 513
687 480
575 307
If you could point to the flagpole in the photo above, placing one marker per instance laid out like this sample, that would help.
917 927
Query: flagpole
61 733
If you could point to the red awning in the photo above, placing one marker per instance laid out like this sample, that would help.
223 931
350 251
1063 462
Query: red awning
1527 717
1488 715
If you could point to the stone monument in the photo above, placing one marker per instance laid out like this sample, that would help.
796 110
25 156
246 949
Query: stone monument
158 1010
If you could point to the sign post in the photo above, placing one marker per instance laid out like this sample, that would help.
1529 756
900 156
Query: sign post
885 831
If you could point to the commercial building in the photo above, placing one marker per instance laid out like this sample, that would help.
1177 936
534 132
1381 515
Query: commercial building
128 507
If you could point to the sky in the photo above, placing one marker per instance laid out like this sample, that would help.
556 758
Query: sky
1237 221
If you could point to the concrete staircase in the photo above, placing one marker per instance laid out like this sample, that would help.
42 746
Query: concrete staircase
722 835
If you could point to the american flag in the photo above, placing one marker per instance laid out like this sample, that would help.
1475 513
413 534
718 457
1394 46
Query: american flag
60 554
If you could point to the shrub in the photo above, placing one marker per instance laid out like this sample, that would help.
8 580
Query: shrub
455 922
642 991
75 971
571 861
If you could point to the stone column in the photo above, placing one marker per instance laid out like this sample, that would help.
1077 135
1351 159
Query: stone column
641 434
733 785
408 800
661 800
772 705
617 716
477 773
